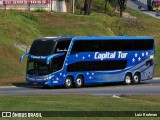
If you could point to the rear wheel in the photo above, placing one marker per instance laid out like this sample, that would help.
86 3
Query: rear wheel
79 82
128 79
136 78
68 82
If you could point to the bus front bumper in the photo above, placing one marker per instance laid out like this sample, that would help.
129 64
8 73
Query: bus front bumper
47 80
41 81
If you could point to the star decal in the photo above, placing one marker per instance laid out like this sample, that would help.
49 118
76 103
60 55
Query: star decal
139 59
136 55
83 57
76 55
89 55
133 60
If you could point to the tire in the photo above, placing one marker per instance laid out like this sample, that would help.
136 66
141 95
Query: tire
79 82
136 78
46 87
128 79
68 82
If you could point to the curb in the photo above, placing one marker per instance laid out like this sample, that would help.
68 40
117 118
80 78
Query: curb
156 78
8 86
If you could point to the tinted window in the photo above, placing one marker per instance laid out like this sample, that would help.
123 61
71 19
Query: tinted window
42 48
57 63
85 46
35 67
38 68
111 45
97 65
62 46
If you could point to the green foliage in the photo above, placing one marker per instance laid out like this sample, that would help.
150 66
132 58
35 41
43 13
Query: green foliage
40 9
29 16
24 26
80 103
110 10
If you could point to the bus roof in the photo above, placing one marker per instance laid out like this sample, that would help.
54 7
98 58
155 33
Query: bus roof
60 38
112 37
55 38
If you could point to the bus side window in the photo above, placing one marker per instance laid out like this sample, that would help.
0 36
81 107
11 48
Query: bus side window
62 46
94 48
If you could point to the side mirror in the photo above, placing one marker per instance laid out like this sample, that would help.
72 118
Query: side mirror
22 57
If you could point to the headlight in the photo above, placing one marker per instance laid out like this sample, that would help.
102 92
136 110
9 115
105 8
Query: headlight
151 56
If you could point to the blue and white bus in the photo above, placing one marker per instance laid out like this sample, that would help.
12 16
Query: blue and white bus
77 61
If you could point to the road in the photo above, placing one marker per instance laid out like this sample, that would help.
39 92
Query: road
149 87
134 4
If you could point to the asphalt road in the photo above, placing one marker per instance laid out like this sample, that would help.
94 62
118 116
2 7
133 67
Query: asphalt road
134 4
149 87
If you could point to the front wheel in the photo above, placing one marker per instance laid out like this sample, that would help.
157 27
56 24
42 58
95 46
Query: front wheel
79 82
68 82
136 78
128 79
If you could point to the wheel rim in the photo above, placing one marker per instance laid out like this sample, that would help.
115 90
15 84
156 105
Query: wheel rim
136 78
128 79
68 82
79 81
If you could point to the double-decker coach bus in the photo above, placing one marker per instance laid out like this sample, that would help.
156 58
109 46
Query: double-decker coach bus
153 4
77 61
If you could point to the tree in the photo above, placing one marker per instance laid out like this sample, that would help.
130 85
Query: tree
87 7
121 6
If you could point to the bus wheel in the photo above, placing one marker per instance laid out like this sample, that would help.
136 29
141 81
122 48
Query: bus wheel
136 78
79 82
128 79
68 82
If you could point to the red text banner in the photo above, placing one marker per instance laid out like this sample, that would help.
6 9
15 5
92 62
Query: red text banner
15 2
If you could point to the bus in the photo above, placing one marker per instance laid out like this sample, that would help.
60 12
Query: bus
153 4
83 60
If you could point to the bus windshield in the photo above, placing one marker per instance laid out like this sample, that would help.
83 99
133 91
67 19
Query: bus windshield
40 67
42 48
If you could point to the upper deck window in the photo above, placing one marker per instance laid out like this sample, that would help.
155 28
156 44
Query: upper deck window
62 46
42 48
111 45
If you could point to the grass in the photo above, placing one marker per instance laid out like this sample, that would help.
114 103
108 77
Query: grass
24 26
79 103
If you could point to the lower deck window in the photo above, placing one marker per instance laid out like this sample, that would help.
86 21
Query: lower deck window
97 65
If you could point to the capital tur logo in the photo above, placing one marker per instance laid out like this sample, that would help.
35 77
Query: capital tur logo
6 114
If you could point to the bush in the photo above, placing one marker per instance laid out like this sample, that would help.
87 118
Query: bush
40 10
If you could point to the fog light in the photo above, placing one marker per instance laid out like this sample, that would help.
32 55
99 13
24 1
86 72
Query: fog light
46 83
